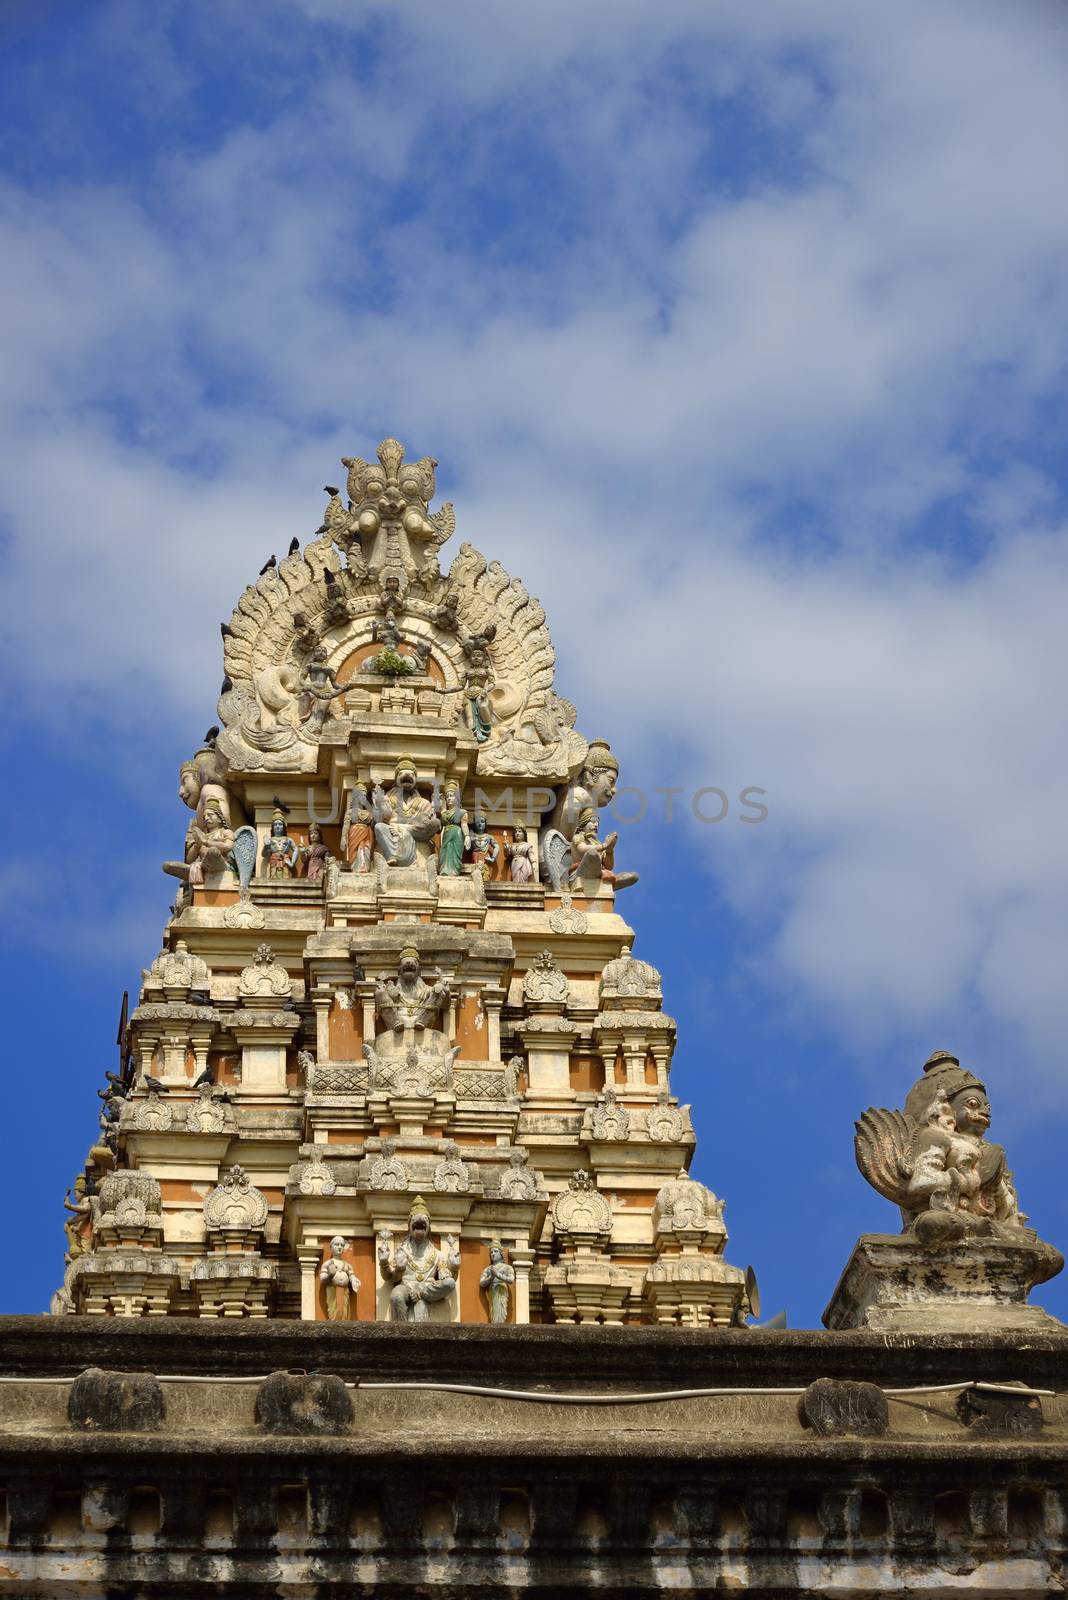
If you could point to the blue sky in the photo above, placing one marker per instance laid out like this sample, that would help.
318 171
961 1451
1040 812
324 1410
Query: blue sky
740 335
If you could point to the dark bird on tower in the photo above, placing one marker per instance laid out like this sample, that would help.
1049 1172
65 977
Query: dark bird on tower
153 1085
280 805
331 581
227 684
226 630
210 738
294 546
328 488
269 566
207 1076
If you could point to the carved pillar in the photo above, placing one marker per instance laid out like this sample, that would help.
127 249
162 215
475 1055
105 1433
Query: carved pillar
522 1259
309 1255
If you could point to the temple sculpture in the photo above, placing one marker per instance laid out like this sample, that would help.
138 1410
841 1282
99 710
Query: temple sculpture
395 967
965 1259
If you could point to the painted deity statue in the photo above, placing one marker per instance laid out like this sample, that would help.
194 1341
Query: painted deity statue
403 817
314 854
318 687
358 837
455 837
202 788
339 1281
934 1161
496 1283
592 857
484 849
421 1273
479 680
520 856
280 853
593 788
409 1001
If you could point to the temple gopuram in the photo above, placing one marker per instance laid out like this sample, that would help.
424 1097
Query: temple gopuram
396 1059
385 1274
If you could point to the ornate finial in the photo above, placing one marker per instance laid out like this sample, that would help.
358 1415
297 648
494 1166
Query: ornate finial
391 453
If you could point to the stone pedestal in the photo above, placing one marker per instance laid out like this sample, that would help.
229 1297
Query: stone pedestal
891 1284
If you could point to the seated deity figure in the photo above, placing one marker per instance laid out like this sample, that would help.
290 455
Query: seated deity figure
338 1276
593 788
934 1161
280 853
496 1283
402 817
201 785
358 836
592 857
409 1001
421 1273
212 842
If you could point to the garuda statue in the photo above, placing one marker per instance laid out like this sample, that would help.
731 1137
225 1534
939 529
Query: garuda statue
933 1160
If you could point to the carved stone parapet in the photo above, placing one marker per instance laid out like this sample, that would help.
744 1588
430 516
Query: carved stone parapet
128 1210
630 984
893 1284
174 1011
338 1077
124 1283
233 1284
588 1288
283 1021
471 1083
639 1021
698 1291
684 1211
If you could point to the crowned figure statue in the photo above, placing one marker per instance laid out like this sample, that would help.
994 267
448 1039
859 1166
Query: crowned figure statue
420 1271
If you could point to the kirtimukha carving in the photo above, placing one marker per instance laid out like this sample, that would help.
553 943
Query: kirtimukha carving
544 984
665 1123
339 1280
518 1182
451 1175
236 1205
422 1273
264 978
389 514
496 1283
387 1171
608 1119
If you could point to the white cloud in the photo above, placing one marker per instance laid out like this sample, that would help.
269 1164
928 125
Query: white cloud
632 407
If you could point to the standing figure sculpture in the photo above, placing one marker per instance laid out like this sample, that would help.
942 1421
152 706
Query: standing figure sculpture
484 849
279 852
314 854
318 687
422 1274
496 1283
358 835
520 856
455 837
338 1275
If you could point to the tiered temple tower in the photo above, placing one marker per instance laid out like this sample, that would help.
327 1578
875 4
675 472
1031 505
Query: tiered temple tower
396 1058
